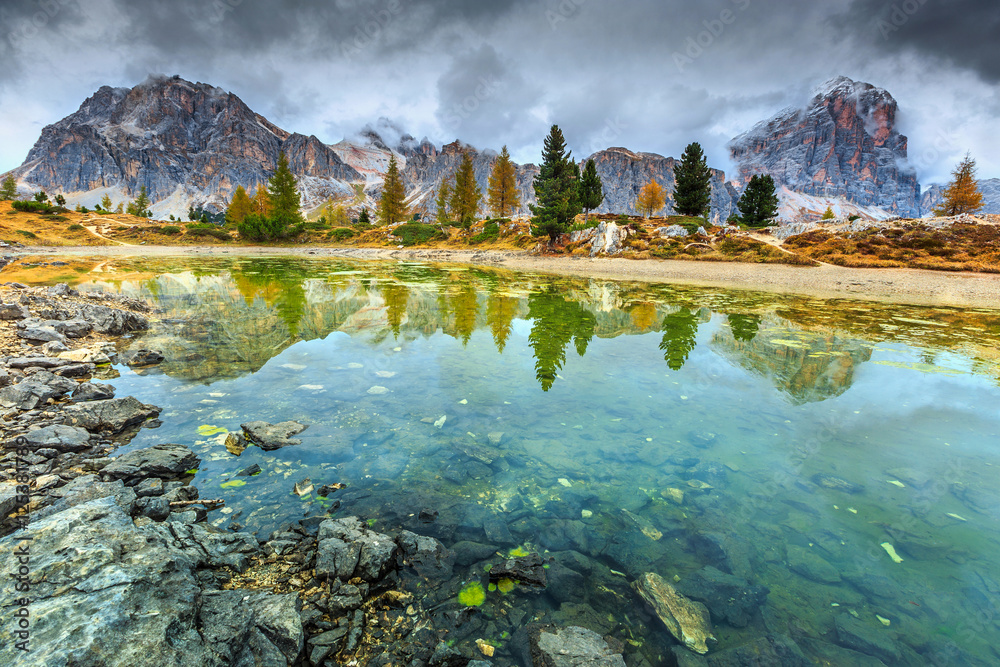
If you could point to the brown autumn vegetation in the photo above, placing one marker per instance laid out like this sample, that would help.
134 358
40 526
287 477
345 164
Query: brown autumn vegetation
961 247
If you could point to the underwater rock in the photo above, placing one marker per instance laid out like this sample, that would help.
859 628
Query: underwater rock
702 439
497 531
467 553
728 598
426 555
854 633
573 647
804 562
272 436
767 650
249 471
236 444
525 570
686 620
836 483
729 554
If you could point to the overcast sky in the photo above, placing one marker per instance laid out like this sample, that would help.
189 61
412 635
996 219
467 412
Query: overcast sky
651 75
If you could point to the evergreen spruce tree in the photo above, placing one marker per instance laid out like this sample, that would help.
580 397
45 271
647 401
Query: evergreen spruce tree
758 205
239 208
693 192
364 220
285 199
556 189
466 195
392 205
8 189
591 189
962 195
106 202
140 204
502 193
443 201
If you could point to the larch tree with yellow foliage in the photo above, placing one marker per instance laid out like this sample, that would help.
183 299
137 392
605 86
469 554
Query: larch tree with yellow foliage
652 198
261 201
962 195
239 208
502 196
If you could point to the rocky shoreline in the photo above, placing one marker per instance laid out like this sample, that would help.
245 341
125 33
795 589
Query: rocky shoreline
110 561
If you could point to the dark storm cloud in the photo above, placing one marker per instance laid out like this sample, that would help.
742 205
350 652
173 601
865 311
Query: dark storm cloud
24 24
962 32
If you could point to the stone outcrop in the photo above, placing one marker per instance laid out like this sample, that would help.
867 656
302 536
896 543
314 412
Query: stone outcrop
844 143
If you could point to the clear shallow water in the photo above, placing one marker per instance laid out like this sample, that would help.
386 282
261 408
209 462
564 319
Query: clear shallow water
648 428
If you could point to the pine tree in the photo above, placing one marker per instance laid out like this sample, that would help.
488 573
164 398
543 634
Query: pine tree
758 205
556 189
652 198
364 220
285 198
503 196
962 195
392 205
239 208
693 192
60 200
466 195
828 214
106 202
8 190
40 196
591 189
442 203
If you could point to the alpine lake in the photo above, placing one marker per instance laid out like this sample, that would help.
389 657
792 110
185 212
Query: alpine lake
833 462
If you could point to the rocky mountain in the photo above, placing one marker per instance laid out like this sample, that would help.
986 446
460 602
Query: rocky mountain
843 144
193 144
990 187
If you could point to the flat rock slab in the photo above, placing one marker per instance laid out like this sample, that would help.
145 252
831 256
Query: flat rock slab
867 638
811 566
527 570
59 437
728 598
112 415
166 461
347 548
686 620
573 647
21 363
272 436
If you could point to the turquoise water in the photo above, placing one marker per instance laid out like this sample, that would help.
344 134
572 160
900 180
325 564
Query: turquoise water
617 428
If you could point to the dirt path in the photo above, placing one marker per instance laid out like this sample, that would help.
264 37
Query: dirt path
93 230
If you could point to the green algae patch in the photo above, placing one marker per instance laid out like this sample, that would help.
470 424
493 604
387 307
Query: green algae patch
233 484
472 594
207 430
517 552
505 585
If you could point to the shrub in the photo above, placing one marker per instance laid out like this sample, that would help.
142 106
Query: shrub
75 228
32 206
341 234
319 225
200 225
413 233
58 218
25 232
212 231
491 230
170 229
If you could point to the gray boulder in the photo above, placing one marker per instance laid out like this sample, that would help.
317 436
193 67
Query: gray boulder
13 311
573 647
142 357
34 332
854 633
673 231
61 289
92 391
347 548
22 363
59 437
164 461
207 546
272 436
27 395
154 507
609 239
426 555
112 415
112 321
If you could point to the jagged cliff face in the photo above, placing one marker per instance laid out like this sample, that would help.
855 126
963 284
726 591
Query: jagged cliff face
624 173
844 144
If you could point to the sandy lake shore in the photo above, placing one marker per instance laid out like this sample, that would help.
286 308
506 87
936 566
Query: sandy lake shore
910 286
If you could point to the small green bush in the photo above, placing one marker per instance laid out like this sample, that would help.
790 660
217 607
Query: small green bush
413 233
341 234
32 206
25 232
200 225
491 230
58 218
317 225
75 228
170 229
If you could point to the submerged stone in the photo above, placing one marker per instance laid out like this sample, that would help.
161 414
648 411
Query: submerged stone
686 620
